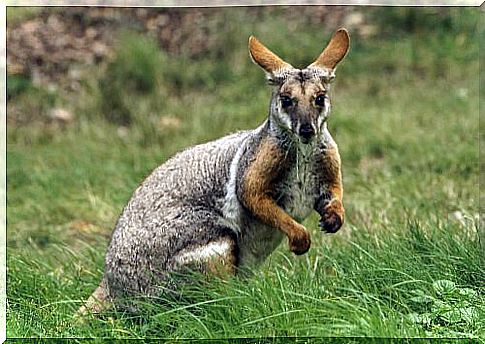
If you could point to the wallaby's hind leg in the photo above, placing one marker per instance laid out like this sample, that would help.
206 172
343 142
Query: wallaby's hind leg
216 257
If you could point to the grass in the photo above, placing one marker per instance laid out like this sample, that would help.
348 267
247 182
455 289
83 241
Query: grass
408 262
18 14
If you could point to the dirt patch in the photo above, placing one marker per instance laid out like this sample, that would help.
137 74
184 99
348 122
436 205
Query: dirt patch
50 44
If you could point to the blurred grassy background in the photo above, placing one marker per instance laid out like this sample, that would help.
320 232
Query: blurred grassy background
82 135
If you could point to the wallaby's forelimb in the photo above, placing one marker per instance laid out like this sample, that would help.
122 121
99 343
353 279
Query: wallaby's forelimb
329 205
266 167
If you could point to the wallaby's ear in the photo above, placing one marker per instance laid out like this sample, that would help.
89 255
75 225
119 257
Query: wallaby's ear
335 51
265 58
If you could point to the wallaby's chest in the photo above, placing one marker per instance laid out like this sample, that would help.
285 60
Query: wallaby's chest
299 187
296 193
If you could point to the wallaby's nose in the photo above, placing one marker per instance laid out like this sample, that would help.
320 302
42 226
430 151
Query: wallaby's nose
306 132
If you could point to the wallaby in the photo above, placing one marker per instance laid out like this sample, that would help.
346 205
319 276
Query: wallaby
227 204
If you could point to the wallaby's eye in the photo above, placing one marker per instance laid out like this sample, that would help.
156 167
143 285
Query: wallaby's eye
286 101
320 100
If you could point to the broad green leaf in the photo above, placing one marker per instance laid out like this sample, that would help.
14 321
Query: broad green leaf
453 316
468 292
470 314
440 307
422 299
424 319
444 287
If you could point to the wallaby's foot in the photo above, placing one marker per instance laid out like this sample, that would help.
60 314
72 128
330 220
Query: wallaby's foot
95 304
299 241
332 216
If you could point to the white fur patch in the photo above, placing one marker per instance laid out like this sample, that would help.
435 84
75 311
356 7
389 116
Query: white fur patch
203 253
284 119
327 138
232 208
325 114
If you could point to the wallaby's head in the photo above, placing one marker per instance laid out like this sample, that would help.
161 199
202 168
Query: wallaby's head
300 103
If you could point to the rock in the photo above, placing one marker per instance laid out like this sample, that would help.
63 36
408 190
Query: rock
61 115
169 122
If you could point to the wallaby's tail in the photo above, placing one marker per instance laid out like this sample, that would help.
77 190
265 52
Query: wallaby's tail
96 303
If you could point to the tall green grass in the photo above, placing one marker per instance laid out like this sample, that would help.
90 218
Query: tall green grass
363 286
408 262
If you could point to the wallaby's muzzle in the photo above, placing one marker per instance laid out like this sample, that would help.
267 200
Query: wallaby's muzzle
306 133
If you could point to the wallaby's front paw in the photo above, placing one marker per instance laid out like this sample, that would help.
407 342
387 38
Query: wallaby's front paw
300 241
332 216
